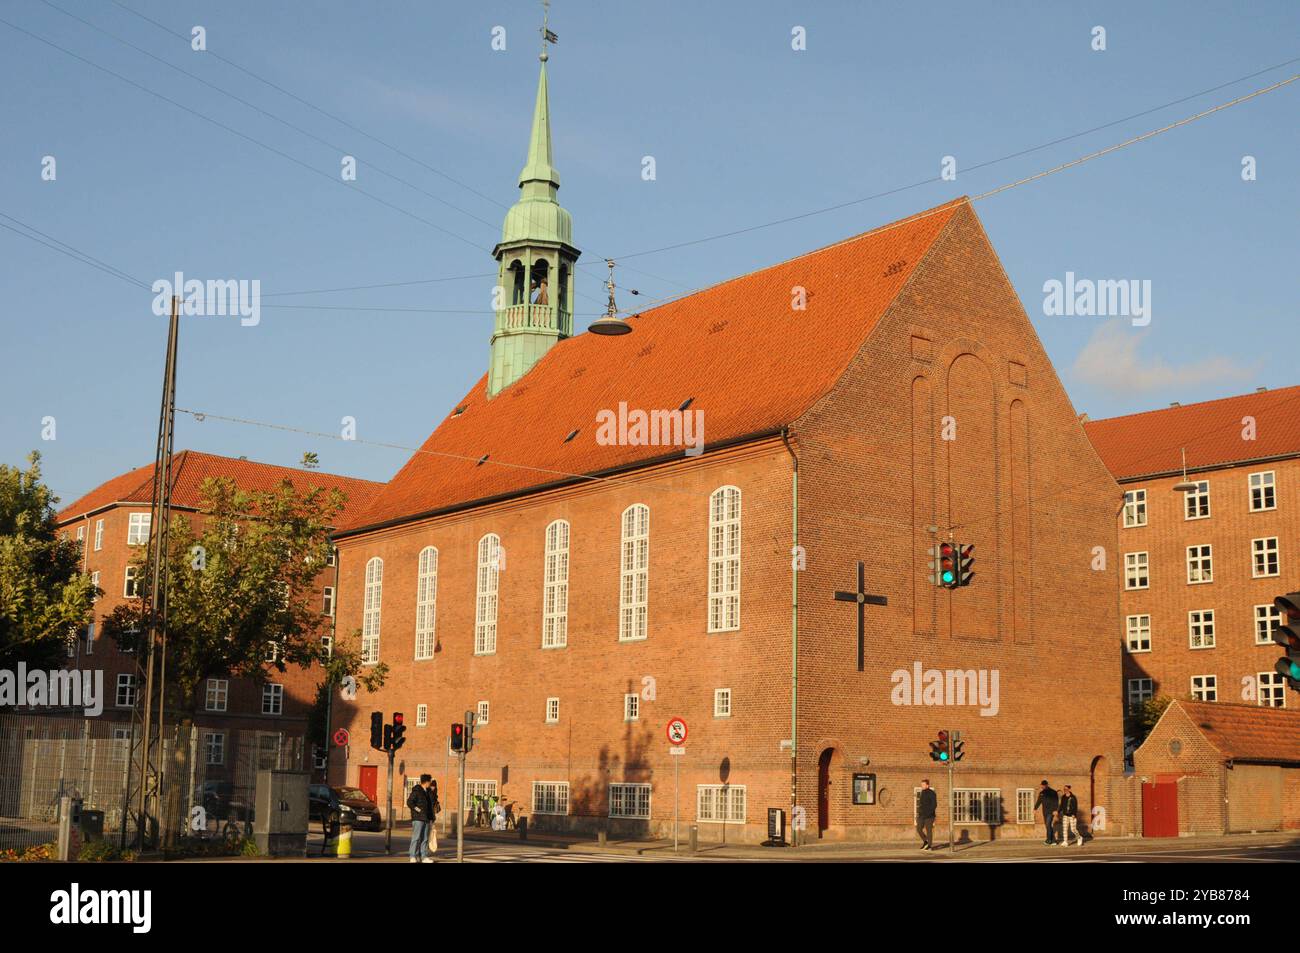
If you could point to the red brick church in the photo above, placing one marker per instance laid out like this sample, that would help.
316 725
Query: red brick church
610 531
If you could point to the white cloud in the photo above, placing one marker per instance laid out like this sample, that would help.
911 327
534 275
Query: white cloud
1111 359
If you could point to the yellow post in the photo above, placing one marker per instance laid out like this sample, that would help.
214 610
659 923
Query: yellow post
345 841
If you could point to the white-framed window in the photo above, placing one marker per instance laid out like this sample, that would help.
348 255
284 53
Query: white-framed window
1272 690
214 746
1264 553
631 706
421 716
132 588
1138 632
1205 688
480 788
629 800
550 797
555 588
1200 629
1140 690
426 603
720 803
634 574
1263 491
485 602
99 535
1136 571
94 580
1200 564
722 703
481 712
1025 798
1267 621
724 559
333 557
1197 501
1135 508
327 601
272 699
552 711
81 533
370 611
90 638
137 529
125 697
977 805
217 694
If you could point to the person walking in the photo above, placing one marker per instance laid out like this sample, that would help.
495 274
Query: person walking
1049 802
421 807
1069 811
927 805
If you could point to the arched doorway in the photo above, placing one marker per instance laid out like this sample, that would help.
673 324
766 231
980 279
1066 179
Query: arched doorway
826 770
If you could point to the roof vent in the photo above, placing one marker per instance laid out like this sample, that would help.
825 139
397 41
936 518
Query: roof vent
458 411
686 403
1175 404
1260 390
645 350
572 434
482 460
718 326
1083 418
579 372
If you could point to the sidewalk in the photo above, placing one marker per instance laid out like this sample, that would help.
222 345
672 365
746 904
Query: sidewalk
892 850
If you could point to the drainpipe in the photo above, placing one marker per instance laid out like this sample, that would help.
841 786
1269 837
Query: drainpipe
794 634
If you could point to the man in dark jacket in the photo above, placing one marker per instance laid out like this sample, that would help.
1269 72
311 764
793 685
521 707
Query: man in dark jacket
1069 810
927 804
420 803
1048 801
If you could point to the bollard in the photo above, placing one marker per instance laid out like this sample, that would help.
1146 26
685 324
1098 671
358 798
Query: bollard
600 837
523 828
331 846
694 841
345 840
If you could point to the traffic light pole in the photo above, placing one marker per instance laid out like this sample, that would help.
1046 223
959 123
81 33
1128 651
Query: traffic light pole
460 810
388 836
952 801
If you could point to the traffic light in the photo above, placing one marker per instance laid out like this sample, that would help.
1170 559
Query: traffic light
470 718
399 730
377 730
958 747
457 736
1288 636
965 562
943 565
940 750
388 738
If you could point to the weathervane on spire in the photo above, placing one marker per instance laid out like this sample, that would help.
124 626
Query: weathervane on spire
547 35
610 323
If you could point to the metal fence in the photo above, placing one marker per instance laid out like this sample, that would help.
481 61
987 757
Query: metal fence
209 778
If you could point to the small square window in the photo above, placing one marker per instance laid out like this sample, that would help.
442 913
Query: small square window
272 699
722 703
552 711
421 716
1267 620
1200 566
1140 690
1205 688
137 531
631 707
1200 629
1263 491
1136 571
1264 555
1138 633
1197 501
482 710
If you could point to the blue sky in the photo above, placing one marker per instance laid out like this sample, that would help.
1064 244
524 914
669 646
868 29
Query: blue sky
744 131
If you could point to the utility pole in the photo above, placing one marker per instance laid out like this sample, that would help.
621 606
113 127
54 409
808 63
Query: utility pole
388 834
144 779
460 809
952 797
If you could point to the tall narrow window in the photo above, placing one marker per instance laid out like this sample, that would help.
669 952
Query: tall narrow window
724 559
1135 508
1200 567
555 595
370 611
99 535
1200 629
1267 621
634 573
1263 491
1197 501
1139 633
1136 574
426 603
485 604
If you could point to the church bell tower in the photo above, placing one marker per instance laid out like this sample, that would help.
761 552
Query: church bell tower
535 256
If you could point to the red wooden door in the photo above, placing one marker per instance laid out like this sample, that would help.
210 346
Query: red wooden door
1160 810
824 792
369 782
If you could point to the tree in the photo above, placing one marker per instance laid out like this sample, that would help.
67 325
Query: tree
240 596
44 596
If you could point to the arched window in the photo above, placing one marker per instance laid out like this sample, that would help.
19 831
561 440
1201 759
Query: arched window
539 293
517 282
370 611
724 559
634 573
426 603
555 592
485 603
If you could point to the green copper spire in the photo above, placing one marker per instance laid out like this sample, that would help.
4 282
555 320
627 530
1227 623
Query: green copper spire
536 256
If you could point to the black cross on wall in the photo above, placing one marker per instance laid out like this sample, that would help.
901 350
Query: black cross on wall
863 600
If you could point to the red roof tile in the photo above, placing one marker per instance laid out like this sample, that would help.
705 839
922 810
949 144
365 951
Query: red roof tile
1248 732
748 360
191 468
1148 443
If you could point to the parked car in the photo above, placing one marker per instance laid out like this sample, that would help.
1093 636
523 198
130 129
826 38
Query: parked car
351 804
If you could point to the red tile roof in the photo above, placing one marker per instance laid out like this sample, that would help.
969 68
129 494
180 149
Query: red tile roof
190 468
1148 443
744 356
1248 732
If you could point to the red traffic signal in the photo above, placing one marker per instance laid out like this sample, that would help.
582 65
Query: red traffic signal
457 736
398 730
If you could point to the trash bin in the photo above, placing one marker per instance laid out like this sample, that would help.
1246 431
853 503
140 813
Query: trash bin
92 825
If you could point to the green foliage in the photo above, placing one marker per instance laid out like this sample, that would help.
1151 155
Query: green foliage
104 851
241 589
1149 713
44 596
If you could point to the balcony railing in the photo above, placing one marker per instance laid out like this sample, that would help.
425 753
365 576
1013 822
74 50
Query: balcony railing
544 317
